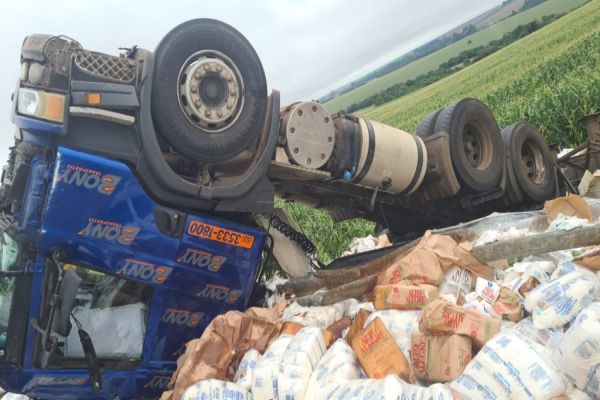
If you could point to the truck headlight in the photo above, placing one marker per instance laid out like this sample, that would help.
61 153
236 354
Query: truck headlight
40 104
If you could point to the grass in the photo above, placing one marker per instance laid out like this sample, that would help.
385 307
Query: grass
433 61
550 78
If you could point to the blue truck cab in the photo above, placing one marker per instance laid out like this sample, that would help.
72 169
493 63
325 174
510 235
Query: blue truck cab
112 256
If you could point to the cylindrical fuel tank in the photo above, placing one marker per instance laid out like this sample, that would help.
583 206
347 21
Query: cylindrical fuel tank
390 159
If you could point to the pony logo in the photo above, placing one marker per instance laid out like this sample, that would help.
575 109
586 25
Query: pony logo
182 317
144 270
202 259
220 293
111 231
89 179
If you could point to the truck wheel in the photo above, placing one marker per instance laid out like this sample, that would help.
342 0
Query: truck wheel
209 94
475 143
531 161
427 125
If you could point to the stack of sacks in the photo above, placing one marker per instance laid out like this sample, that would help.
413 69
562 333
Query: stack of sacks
285 368
509 368
443 346
214 389
578 353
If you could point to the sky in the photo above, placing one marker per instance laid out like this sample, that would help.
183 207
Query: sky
307 47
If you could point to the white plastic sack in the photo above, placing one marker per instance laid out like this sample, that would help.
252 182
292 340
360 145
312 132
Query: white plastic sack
508 368
555 303
302 354
338 365
578 353
321 316
391 387
245 372
264 379
117 332
214 389
356 308
400 324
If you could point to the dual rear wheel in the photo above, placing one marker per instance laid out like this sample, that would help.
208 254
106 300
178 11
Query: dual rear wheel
478 150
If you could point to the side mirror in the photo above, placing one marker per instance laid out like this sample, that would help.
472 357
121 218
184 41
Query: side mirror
68 291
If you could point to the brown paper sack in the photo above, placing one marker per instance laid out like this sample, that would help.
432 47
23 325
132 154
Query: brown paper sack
399 296
223 343
379 354
430 259
439 358
508 305
589 260
570 206
357 325
441 317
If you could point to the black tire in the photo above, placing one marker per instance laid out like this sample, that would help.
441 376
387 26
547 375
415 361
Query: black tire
171 55
475 144
427 125
531 161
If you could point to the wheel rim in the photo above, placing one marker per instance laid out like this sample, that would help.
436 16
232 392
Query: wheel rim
477 145
210 91
532 161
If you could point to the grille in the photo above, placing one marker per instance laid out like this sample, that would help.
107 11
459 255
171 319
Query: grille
108 67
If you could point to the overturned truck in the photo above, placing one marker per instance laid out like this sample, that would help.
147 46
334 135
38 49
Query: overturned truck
127 201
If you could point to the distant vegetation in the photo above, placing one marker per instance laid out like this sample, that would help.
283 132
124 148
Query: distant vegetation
409 57
433 61
550 78
454 64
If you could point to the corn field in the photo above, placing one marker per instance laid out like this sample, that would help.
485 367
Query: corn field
550 78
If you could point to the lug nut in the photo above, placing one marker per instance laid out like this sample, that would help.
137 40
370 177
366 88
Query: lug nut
219 113
194 88
229 106
232 92
207 113
197 103
197 75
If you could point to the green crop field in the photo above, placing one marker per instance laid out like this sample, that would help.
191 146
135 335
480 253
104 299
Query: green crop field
433 61
550 78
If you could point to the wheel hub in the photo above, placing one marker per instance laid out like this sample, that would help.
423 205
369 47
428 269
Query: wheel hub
532 161
477 146
210 91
